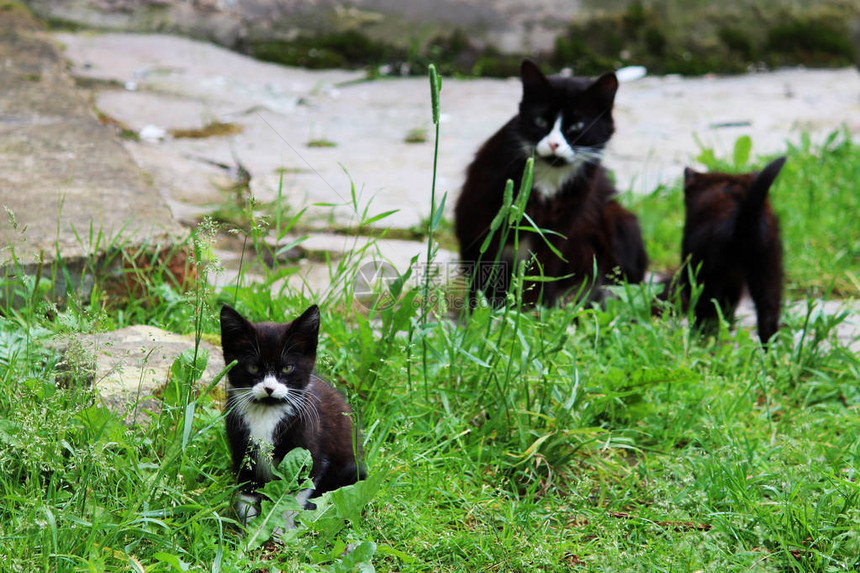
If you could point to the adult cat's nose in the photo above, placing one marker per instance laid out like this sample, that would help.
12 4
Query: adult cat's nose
269 390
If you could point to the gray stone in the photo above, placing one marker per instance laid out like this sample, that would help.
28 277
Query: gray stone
130 367
847 331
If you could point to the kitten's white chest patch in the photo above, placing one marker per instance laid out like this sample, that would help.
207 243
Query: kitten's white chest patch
262 419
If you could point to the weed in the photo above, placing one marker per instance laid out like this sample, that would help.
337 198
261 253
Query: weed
417 135
321 142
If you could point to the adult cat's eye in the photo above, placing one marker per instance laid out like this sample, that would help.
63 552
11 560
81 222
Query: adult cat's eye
252 368
578 126
288 369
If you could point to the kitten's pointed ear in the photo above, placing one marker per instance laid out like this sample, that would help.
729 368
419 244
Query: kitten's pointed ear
688 175
768 175
532 77
304 332
234 328
604 89
233 323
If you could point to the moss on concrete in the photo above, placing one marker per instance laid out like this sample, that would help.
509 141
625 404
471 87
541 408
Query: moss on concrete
692 39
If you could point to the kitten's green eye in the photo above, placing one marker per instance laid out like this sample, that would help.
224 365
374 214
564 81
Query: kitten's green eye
541 123
288 369
252 368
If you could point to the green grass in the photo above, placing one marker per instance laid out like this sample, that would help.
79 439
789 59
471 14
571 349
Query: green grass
514 440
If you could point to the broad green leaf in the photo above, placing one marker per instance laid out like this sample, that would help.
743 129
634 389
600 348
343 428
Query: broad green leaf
440 210
350 501
185 370
359 559
526 183
280 496
379 217
392 552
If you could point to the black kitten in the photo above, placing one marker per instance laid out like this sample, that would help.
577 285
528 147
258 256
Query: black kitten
275 403
732 236
565 124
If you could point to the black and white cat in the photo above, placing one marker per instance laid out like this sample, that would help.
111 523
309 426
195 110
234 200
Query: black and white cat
564 123
276 403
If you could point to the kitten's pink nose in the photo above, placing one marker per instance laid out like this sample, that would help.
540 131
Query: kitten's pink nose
553 145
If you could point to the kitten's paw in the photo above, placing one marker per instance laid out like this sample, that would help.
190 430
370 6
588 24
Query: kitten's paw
290 516
247 507
303 496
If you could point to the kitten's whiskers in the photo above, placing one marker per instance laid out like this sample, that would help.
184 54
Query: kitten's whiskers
302 402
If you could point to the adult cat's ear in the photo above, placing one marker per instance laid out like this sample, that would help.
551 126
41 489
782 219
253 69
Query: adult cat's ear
304 331
533 78
603 89
233 324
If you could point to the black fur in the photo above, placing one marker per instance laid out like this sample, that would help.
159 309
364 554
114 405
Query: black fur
732 236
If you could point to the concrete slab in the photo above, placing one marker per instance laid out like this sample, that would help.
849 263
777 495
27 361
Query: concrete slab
660 122
66 182
848 331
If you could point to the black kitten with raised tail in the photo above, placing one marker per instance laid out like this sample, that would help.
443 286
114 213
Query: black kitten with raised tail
731 236
564 123
276 403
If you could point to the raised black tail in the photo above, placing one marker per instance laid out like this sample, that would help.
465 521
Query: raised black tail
753 205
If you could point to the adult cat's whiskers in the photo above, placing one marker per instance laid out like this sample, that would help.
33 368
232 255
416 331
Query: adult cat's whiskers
587 154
